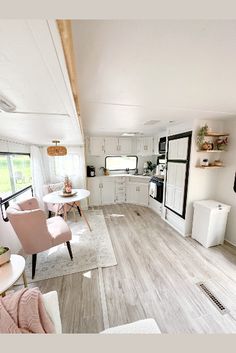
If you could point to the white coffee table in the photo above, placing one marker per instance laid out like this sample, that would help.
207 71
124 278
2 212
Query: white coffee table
11 272
73 201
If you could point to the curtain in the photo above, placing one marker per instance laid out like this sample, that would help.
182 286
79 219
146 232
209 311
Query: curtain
39 176
71 165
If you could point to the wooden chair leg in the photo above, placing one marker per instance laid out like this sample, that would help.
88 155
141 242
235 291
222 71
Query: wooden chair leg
69 250
34 261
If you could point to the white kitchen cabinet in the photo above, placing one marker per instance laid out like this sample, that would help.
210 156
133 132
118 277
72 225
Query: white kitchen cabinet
118 146
97 146
145 146
107 191
137 193
125 145
95 192
111 146
102 191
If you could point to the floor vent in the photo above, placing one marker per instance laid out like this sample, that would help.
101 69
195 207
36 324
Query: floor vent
212 298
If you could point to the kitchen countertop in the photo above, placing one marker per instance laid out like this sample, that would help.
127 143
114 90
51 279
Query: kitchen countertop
122 175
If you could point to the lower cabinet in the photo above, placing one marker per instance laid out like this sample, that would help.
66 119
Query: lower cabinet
102 191
107 191
137 193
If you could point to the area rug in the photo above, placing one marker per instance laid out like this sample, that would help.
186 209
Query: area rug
90 250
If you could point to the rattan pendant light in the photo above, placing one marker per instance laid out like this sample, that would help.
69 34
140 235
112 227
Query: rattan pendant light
56 150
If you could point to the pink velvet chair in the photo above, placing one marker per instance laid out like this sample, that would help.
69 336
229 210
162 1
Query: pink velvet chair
35 232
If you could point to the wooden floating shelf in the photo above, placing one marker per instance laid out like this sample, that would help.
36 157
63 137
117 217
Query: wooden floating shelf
211 151
209 166
216 134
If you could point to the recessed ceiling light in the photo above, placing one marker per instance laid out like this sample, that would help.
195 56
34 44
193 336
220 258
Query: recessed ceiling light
152 122
6 105
130 134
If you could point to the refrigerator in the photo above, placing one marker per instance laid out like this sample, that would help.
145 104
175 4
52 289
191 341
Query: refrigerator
177 171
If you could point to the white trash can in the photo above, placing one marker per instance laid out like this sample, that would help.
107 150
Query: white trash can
209 222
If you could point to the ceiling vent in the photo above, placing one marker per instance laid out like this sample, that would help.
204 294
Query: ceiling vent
152 122
6 105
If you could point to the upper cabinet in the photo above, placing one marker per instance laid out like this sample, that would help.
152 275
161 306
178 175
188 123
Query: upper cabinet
125 145
105 146
100 146
111 145
145 146
97 146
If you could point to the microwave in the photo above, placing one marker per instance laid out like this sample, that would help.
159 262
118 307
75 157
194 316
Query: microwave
162 145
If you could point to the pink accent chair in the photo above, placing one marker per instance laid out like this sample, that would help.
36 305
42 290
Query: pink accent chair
35 232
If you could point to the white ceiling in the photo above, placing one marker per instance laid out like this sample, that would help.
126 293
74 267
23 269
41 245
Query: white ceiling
130 72
32 76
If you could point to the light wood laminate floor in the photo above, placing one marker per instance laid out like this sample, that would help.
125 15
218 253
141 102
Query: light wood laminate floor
155 277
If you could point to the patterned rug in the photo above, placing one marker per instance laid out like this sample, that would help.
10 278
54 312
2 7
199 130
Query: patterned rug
90 250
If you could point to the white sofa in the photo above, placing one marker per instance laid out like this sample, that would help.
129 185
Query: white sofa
147 326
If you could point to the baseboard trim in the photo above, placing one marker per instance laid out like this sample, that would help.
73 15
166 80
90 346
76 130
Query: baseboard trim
230 242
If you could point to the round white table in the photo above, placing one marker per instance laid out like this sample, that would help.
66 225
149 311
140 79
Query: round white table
11 272
73 201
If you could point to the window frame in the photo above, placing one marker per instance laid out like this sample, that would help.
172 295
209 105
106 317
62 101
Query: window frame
14 194
118 170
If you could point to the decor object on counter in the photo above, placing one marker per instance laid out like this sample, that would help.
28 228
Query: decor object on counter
67 189
218 163
5 255
56 150
221 143
201 136
205 162
104 170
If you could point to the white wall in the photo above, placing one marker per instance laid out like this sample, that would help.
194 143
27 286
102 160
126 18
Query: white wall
224 189
7 235
202 182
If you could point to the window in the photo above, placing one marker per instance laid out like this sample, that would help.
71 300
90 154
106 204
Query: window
15 173
67 165
121 162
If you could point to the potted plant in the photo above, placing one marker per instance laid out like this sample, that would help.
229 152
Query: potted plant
151 166
5 255
201 136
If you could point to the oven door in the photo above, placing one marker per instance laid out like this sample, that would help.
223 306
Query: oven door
156 190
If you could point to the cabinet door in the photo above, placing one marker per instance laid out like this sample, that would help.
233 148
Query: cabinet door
148 146
95 191
111 145
140 146
142 194
96 146
108 191
145 146
125 145
131 193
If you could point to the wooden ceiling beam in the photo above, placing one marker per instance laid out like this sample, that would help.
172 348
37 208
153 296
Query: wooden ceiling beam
65 30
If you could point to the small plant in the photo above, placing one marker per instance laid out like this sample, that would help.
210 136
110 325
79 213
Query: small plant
3 249
201 135
151 166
